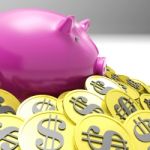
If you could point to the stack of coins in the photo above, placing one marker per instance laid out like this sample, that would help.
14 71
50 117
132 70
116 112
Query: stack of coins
111 113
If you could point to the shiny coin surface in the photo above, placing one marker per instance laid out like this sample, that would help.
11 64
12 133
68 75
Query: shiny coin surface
62 95
100 85
145 101
109 69
137 86
145 86
138 126
79 103
36 104
60 101
129 90
105 108
101 132
110 73
48 131
120 104
9 130
8 102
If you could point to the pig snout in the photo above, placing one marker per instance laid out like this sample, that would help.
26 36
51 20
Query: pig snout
100 66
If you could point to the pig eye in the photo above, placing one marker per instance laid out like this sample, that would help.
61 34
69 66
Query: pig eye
77 39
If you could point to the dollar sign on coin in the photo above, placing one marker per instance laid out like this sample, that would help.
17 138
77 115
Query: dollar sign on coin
101 85
47 133
5 109
115 77
49 130
124 108
39 106
136 85
8 103
111 139
138 126
101 132
147 102
133 84
9 128
142 129
100 88
120 105
142 84
36 104
9 140
110 73
81 102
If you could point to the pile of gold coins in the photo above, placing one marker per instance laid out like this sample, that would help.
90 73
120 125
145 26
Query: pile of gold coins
111 113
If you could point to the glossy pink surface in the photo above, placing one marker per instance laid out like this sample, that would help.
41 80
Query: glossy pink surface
42 52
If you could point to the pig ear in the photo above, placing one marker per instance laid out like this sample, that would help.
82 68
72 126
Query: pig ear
85 24
66 25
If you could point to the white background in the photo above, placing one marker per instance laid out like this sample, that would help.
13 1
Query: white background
128 55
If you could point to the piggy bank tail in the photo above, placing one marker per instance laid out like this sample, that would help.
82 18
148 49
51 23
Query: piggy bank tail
100 66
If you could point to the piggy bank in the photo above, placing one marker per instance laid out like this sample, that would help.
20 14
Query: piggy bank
43 52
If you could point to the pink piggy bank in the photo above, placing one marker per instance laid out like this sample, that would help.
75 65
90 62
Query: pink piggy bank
42 52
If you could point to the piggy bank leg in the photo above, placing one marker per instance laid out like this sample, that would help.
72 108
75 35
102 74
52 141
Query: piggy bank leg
100 66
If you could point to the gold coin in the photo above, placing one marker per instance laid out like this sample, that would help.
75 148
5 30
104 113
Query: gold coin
100 85
8 102
36 104
145 101
114 77
120 104
9 130
132 92
60 101
146 87
79 103
129 91
105 108
97 132
138 126
110 73
47 130
109 69
137 86
62 95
